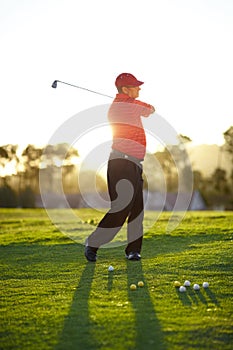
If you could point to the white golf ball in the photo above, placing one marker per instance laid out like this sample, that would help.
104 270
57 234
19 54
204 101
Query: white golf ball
187 284
196 286
182 289
111 268
205 285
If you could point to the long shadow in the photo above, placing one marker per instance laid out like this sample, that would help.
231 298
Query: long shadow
168 243
76 333
192 297
196 296
148 329
212 296
184 298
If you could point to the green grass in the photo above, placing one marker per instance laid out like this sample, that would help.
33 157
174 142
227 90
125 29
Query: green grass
51 298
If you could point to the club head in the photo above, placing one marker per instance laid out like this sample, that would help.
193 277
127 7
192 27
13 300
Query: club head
54 84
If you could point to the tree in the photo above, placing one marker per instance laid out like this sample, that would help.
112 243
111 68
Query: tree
90 181
30 168
219 179
153 175
8 197
8 154
169 169
55 159
58 155
56 165
27 198
176 166
184 139
228 136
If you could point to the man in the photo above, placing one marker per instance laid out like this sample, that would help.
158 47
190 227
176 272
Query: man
124 175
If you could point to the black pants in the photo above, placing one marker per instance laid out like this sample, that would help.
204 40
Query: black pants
125 186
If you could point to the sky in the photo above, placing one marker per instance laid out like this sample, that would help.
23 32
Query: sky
181 49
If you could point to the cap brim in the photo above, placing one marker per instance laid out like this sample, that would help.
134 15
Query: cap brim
136 83
139 83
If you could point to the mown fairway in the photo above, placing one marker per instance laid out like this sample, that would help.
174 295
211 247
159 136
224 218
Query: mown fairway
51 298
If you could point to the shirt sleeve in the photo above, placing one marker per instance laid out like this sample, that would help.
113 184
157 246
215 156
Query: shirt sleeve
145 108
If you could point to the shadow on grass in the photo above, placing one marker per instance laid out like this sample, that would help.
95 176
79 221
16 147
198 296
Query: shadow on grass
148 329
177 243
212 296
110 280
76 333
191 297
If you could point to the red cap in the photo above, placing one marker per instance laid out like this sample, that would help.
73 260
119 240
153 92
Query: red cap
127 79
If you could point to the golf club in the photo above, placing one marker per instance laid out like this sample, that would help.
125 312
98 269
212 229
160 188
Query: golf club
54 85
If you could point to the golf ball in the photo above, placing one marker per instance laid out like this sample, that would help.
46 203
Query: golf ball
196 286
111 268
177 284
187 283
182 289
205 285
140 284
133 287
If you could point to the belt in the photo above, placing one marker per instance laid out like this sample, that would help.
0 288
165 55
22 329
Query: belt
118 154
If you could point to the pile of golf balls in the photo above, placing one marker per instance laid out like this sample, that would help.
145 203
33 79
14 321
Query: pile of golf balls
182 288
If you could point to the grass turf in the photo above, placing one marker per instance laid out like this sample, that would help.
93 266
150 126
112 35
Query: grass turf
51 298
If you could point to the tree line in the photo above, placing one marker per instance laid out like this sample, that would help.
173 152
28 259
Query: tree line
20 172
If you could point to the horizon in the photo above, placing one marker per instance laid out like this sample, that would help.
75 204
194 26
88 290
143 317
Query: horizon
87 159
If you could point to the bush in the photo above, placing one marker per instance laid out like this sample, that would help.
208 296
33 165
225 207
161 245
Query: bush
27 198
8 198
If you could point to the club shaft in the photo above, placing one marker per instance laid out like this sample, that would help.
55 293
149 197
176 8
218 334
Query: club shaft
79 87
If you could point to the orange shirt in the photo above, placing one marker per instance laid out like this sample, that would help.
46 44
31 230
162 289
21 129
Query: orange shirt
125 119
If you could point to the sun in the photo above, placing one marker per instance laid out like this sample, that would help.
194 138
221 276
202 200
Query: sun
94 146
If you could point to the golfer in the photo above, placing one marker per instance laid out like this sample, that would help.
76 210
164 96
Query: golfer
124 174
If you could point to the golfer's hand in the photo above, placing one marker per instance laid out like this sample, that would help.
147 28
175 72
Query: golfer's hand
153 109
